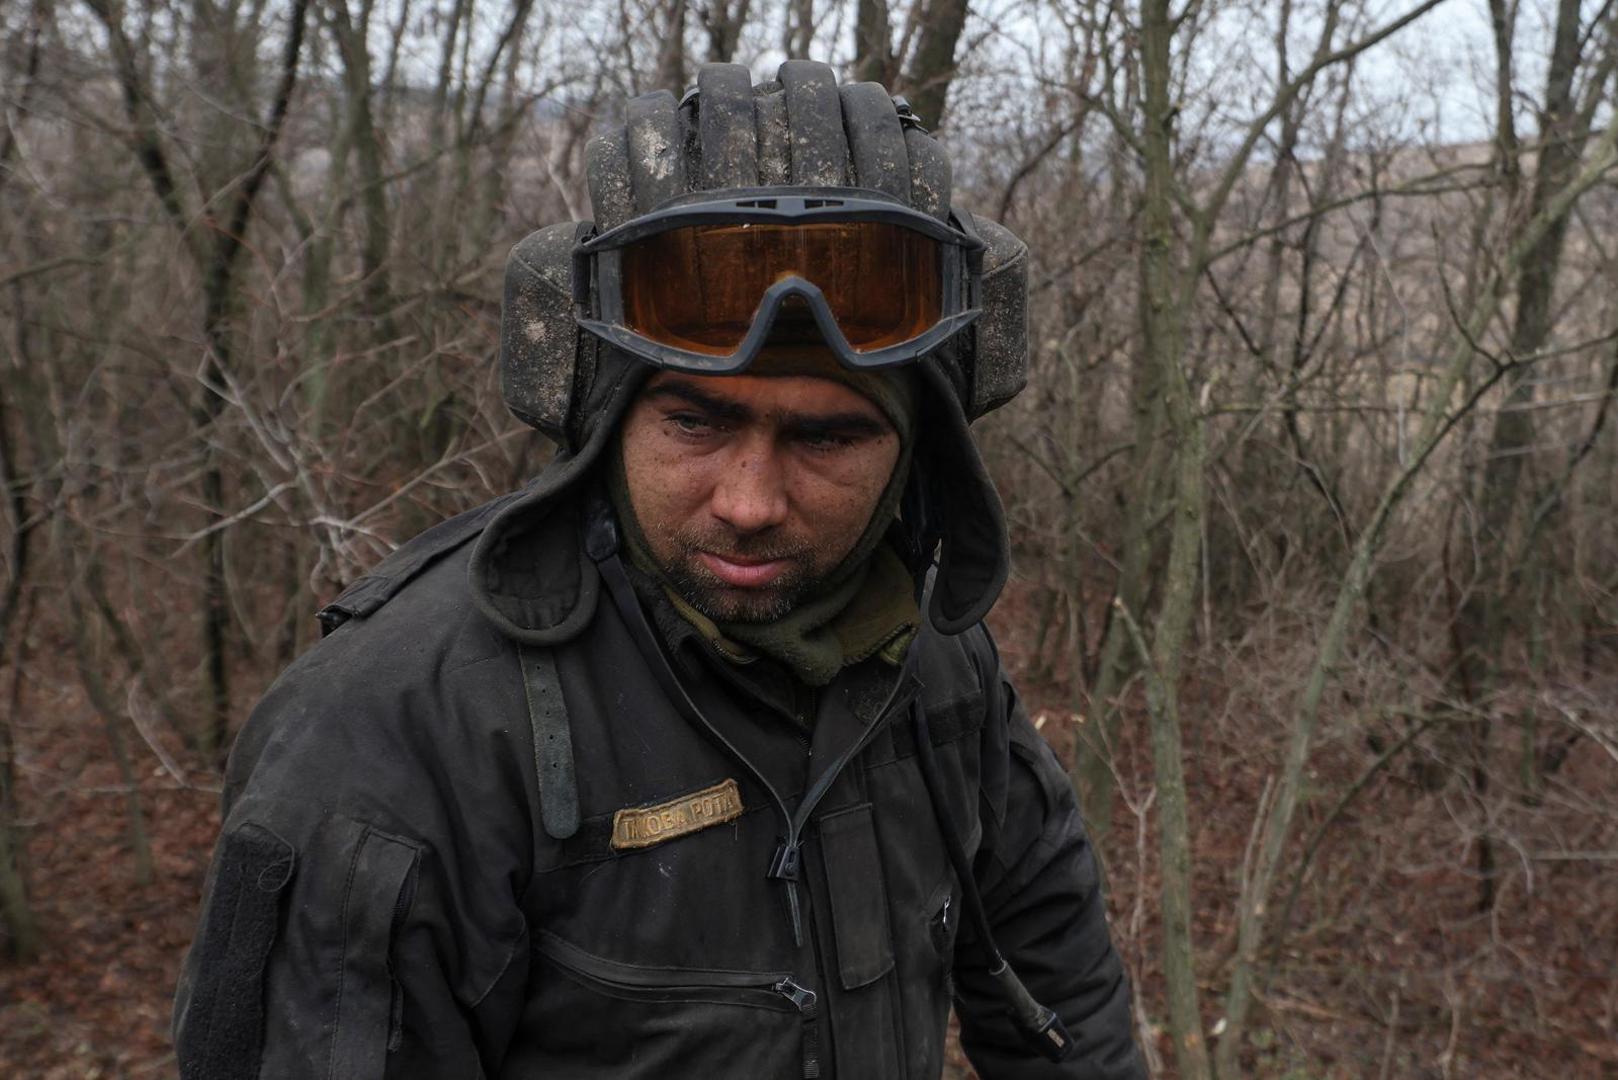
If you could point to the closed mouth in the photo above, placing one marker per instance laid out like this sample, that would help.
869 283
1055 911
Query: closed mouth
741 571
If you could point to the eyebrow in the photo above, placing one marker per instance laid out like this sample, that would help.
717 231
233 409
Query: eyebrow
717 407
856 424
853 424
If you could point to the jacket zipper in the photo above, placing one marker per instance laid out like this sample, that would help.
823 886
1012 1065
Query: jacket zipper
785 865
401 908
787 862
631 977
622 976
808 1008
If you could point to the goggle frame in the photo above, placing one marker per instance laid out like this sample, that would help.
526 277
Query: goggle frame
598 282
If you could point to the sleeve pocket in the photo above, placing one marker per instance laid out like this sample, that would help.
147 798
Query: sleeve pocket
859 903
380 888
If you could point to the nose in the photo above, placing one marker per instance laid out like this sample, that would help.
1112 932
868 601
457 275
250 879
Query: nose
750 495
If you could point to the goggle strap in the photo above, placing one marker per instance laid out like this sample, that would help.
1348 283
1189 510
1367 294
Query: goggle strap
974 252
583 231
794 205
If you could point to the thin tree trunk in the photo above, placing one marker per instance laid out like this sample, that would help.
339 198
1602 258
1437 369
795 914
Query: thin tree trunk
873 42
22 927
11 489
724 28
16 912
112 719
219 292
367 147
932 69
320 250
1093 768
798 33
1163 323
671 52
1487 616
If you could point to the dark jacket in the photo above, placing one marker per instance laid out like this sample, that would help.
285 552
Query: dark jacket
385 901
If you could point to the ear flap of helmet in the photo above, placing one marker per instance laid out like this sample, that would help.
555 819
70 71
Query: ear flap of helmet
998 368
541 347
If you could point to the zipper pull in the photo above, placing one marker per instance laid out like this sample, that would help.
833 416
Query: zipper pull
786 861
805 999
801 996
941 927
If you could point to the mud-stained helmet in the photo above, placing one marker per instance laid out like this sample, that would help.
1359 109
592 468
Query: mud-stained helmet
794 210
747 213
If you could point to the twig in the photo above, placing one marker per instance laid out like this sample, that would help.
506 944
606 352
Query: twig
46 267
1319 835
241 515
143 726
1393 1036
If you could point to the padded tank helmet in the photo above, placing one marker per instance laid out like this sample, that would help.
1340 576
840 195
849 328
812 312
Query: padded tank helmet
746 214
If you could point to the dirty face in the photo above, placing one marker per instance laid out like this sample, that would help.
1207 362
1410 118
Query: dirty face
751 489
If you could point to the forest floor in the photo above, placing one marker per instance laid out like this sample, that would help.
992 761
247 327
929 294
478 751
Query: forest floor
95 1006
1389 971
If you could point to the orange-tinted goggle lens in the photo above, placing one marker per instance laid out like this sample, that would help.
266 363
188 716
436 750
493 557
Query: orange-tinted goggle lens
698 287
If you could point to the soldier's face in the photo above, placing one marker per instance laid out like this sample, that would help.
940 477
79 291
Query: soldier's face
751 489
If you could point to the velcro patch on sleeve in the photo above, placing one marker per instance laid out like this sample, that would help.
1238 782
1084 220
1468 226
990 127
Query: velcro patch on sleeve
222 1036
643 826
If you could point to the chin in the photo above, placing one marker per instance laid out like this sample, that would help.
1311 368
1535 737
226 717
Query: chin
724 605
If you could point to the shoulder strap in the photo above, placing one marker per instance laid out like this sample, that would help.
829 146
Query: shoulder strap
553 742
368 593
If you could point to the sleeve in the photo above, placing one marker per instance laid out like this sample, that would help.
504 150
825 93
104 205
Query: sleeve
1042 893
362 916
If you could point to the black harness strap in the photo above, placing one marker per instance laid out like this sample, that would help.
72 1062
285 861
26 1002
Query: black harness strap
553 743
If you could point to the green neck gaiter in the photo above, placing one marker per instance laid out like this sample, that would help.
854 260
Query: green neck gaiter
865 606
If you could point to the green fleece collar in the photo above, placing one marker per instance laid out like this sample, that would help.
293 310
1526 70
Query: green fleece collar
874 612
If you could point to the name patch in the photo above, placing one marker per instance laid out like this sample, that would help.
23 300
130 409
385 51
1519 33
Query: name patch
644 826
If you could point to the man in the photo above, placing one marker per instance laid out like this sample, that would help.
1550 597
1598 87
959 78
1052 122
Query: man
686 760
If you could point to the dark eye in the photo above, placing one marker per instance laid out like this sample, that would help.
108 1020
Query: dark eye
691 423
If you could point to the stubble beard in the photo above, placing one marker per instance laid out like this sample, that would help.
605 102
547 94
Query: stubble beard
723 602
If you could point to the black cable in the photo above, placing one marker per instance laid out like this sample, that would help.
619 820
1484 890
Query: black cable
1039 1025
952 838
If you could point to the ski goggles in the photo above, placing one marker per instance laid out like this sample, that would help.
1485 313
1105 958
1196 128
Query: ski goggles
703 284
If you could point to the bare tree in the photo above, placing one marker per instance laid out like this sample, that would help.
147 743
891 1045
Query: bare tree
1565 119
932 67
216 263
1172 270
723 20
873 42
